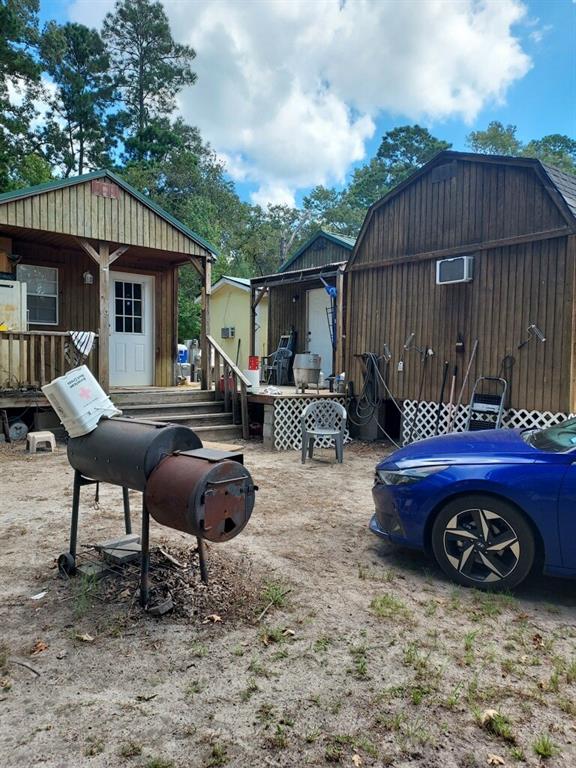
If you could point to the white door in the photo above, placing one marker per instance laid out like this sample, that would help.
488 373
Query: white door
131 329
317 304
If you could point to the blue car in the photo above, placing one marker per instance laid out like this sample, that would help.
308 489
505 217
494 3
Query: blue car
488 505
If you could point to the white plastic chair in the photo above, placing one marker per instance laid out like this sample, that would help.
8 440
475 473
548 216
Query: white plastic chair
323 418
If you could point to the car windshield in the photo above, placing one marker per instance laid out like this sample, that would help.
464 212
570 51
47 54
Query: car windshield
556 439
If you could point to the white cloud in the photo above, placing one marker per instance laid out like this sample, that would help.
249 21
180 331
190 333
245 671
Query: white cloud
289 90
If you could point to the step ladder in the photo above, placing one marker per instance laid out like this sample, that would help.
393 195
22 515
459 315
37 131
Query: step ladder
486 408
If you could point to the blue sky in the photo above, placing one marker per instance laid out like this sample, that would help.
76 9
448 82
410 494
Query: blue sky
293 93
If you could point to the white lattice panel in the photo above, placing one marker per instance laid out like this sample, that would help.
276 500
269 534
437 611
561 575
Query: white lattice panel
287 428
426 419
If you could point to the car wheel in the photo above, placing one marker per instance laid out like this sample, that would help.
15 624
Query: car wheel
483 542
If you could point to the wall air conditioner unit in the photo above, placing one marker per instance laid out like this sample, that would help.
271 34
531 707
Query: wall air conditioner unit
456 270
228 333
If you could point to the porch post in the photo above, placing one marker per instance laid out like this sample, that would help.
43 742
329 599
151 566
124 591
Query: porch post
205 328
252 321
104 325
339 321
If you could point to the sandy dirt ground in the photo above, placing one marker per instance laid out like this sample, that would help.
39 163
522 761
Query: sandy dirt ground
367 656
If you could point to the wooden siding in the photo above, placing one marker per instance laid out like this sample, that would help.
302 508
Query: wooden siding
79 303
77 211
322 251
285 314
480 202
512 287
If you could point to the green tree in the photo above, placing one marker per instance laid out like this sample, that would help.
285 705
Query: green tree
19 75
497 139
149 66
405 149
78 130
555 149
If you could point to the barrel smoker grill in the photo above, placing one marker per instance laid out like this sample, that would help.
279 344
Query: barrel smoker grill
205 493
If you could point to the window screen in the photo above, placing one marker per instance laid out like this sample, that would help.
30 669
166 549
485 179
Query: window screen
42 293
128 307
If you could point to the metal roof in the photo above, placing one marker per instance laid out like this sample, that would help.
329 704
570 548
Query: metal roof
50 186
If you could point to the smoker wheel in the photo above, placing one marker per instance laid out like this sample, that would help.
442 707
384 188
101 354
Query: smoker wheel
66 564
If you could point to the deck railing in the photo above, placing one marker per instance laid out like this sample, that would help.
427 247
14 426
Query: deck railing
230 385
30 359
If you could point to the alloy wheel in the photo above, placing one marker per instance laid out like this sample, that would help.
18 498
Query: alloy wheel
481 545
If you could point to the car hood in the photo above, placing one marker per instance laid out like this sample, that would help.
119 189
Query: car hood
494 446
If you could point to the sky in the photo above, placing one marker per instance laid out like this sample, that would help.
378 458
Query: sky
296 93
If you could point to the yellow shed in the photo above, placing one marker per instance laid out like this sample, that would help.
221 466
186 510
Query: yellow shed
230 319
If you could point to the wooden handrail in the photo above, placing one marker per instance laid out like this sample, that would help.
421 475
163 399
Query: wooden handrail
228 361
38 333
230 394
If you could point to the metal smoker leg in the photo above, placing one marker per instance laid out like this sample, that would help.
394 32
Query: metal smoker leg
202 558
75 514
127 520
145 562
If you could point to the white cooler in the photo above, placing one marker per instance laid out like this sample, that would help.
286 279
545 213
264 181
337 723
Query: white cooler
79 401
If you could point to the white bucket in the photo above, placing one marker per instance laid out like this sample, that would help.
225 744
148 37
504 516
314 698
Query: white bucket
79 401
254 379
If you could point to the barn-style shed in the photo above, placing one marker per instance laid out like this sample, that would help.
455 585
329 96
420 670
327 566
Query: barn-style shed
96 256
516 220
299 302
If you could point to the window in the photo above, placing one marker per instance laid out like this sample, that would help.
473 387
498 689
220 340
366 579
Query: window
42 293
128 304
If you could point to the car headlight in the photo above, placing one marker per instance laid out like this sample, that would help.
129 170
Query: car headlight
406 476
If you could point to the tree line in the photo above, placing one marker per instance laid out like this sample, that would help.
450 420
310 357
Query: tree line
110 102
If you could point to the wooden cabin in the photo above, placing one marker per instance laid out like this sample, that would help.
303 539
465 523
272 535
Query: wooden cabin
95 255
299 302
516 220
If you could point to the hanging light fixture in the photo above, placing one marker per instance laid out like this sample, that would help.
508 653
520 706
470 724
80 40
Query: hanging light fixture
88 277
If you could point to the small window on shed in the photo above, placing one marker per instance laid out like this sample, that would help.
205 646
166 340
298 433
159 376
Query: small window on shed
42 293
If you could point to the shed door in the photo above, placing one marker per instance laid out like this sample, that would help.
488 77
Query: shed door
317 304
131 329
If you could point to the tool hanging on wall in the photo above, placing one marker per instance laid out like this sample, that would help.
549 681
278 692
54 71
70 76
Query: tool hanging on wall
440 401
464 382
426 353
460 346
533 333
405 348
450 404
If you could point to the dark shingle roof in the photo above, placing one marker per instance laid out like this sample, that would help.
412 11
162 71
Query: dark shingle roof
565 183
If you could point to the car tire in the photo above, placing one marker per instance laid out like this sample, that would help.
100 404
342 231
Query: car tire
483 542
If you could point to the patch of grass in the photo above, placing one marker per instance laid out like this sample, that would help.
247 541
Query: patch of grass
554 682
238 650
4 654
193 687
279 655
517 753
453 699
94 747
359 656
312 736
490 604
568 706
83 587
333 753
417 694
275 593
544 747
322 644
498 724
571 672
198 650
469 639
130 749
389 607
279 739
265 712
159 762
218 756
250 690
259 669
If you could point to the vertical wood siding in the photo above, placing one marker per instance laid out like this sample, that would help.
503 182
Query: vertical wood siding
480 202
77 211
322 251
284 314
512 287
78 303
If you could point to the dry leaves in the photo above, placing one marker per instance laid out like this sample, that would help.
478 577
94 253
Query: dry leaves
214 618
495 760
38 647
84 637
357 760
537 641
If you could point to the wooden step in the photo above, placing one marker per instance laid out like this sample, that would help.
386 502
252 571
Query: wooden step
194 420
145 410
221 433
161 396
